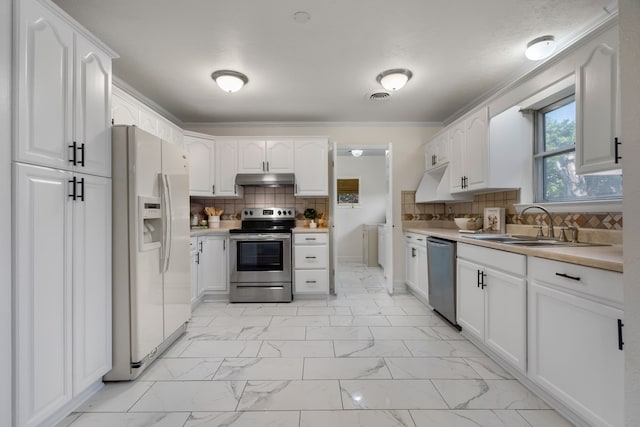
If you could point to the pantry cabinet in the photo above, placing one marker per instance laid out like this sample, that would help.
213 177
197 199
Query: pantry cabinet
265 156
416 273
63 98
598 108
492 300
311 161
201 165
575 338
212 260
62 287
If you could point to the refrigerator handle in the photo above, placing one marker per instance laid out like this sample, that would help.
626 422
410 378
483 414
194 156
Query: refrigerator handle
168 208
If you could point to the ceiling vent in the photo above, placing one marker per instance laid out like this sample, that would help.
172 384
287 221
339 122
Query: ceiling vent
379 95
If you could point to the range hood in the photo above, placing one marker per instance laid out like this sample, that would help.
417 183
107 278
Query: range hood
434 187
265 179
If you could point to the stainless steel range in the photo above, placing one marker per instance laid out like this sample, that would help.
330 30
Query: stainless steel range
260 256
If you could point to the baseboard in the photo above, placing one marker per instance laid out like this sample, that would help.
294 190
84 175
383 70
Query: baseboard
549 399
418 296
350 259
74 404
399 287
214 297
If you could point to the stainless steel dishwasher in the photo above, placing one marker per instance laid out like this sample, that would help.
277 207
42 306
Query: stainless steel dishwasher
441 261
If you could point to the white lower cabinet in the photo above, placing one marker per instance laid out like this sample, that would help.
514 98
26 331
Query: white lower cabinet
416 273
311 263
492 300
574 337
212 260
62 288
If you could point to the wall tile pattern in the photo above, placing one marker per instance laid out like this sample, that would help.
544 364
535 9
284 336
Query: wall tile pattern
256 197
412 211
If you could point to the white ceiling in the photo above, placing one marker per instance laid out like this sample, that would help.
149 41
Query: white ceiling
324 70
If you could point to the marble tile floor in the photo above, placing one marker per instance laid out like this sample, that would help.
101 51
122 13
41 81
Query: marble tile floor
361 358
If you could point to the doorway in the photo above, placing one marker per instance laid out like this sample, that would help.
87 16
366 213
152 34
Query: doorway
361 211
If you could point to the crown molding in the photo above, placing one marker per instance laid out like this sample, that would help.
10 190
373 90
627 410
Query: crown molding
192 125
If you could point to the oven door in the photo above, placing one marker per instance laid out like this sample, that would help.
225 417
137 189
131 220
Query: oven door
260 259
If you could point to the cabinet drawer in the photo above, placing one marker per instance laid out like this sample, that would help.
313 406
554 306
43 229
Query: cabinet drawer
602 284
311 257
311 238
500 260
311 281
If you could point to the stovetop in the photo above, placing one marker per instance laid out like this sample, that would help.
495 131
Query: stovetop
267 220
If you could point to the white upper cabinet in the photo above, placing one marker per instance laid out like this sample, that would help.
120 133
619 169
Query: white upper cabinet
226 168
436 151
45 89
123 111
48 132
265 156
490 154
93 115
127 110
312 167
201 166
598 108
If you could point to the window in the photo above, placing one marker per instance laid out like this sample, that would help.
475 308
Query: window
555 159
348 191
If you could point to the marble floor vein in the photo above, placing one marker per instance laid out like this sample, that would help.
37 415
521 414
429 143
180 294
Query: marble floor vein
360 358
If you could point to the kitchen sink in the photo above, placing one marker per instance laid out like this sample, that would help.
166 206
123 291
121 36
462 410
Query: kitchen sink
528 241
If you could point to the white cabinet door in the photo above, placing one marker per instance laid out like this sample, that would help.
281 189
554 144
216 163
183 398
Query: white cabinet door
201 166
505 316
93 110
45 88
226 168
123 112
280 156
598 108
312 167
573 353
92 285
422 273
470 298
475 150
381 246
43 298
195 255
251 157
212 267
410 257
456 164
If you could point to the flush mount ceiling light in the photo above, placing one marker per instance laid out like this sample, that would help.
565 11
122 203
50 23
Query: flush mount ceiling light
356 153
229 81
395 79
540 48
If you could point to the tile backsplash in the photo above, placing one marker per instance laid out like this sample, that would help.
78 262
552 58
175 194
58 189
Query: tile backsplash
412 211
256 197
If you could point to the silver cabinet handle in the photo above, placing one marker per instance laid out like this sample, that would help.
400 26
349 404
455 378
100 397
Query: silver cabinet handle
311 281
310 257
309 238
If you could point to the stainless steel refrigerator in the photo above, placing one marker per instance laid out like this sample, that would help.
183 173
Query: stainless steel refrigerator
151 253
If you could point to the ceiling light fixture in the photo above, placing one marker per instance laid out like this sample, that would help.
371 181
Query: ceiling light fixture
229 81
356 153
540 48
395 79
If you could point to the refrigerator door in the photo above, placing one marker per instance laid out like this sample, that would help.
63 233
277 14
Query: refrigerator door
176 254
147 299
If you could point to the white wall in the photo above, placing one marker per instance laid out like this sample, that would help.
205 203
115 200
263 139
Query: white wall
408 157
630 85
373 190
5 212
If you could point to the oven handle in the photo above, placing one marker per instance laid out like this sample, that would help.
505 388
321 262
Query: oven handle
265 237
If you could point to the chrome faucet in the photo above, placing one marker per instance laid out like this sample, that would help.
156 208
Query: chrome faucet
551 231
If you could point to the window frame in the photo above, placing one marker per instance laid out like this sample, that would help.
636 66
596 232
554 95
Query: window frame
539 154
349 205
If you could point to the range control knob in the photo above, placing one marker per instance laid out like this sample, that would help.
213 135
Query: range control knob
246 213
250 212
279 213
